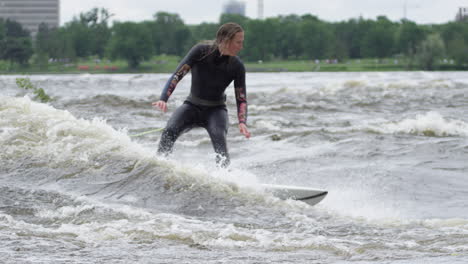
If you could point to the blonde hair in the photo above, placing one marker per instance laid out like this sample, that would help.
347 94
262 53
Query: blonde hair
227 32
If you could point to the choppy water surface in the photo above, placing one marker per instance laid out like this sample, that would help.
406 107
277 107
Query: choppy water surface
391 149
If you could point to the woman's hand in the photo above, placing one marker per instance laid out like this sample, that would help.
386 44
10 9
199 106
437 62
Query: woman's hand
161 105
243 129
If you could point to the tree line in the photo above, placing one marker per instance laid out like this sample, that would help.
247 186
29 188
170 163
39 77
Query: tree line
289 37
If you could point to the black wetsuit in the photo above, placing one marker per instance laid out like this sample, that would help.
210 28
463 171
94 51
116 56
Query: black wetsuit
205 106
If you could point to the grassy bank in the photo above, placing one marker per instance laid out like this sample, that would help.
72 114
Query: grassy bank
167 64
355 65
158 64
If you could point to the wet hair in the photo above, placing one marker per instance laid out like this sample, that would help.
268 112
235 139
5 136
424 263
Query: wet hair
226 33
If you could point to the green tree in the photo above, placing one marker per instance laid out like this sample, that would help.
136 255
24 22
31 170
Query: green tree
170 34
96 21
343 40
259 40
80 37
429 51
359 28
409 37
287 44
457 50
132 42
2 37
315 38
379 40
455 36
62 45
89 33
42 46
43 38
17 43
239 19
203 31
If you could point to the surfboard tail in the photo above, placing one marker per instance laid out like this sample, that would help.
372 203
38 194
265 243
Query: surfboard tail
308 195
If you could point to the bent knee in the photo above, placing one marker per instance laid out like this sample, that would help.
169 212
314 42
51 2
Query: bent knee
217 133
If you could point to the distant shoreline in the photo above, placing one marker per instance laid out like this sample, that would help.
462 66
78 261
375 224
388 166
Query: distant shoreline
168 64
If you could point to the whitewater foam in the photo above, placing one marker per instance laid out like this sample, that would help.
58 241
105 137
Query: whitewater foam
429 124
82 147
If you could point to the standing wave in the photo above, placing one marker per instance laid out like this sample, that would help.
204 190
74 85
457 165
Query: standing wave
43 145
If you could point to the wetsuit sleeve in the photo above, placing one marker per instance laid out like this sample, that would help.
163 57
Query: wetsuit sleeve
184 67
241 94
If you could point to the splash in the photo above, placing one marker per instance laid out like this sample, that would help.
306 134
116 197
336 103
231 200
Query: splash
89 156
429 124
30 128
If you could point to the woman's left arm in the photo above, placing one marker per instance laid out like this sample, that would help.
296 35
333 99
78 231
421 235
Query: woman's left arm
241 100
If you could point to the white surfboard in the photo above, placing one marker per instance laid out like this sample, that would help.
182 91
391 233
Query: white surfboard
304 194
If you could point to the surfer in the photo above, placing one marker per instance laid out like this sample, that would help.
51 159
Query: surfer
213 68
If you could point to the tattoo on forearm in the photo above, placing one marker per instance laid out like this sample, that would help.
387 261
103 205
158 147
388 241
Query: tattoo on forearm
241 104
177 77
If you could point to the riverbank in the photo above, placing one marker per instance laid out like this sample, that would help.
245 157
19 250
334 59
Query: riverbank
167 64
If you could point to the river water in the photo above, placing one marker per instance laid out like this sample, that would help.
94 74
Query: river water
391 149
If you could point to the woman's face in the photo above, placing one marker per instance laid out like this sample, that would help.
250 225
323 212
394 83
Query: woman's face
235 45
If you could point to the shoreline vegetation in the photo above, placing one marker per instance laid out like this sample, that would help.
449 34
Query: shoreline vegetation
292 43
167 64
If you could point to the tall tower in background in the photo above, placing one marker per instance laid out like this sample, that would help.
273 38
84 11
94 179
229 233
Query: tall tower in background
405 10
260 9
462 14
31 13
234 7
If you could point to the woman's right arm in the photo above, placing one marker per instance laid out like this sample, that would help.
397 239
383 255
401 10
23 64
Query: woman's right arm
175 78
184 67
161 105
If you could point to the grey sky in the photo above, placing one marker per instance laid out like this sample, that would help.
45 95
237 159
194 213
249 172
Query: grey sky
198 11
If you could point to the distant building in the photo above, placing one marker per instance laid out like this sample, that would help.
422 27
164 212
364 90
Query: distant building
31 13
234 7
260 9
462 14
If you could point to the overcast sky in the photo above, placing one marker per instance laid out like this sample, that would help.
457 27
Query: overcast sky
198 11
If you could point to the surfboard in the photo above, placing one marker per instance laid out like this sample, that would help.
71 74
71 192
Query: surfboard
304 194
